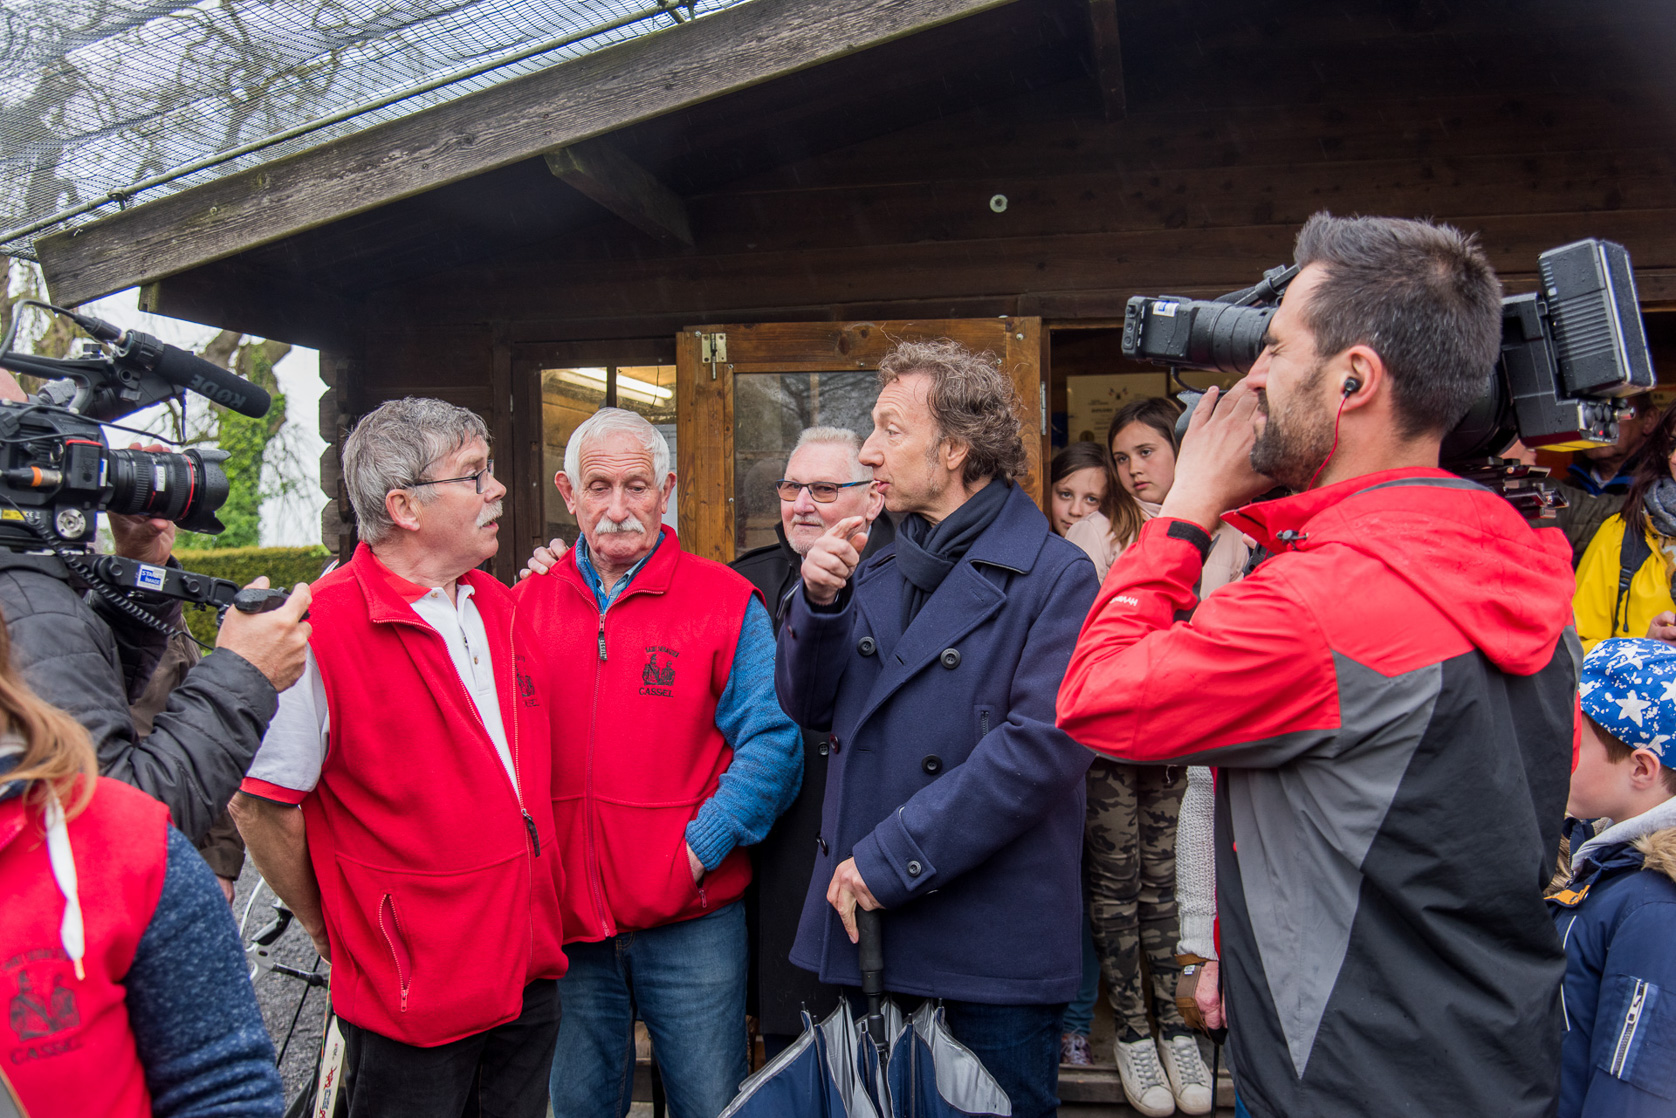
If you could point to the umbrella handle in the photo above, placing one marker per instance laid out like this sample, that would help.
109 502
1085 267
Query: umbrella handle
871 951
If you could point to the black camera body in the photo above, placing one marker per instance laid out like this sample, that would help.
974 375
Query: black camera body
1569 353
57 473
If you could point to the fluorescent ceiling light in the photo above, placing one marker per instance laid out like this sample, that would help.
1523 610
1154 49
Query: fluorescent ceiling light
640 391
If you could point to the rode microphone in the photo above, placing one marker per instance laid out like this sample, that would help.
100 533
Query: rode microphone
179 367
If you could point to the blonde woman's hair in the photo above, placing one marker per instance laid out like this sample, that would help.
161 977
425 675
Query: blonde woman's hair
58 757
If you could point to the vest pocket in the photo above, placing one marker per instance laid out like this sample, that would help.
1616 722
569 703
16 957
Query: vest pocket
391 927
435 956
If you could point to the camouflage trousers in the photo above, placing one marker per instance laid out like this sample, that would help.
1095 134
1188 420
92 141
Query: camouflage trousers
1130 857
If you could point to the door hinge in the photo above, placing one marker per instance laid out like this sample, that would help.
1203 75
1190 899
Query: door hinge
712 350
1041 390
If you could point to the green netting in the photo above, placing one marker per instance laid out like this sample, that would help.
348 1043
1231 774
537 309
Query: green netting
96 95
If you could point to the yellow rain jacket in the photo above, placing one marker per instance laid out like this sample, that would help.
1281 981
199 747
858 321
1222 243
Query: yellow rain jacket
1597 588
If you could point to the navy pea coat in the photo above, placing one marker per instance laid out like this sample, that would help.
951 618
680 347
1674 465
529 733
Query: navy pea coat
949 783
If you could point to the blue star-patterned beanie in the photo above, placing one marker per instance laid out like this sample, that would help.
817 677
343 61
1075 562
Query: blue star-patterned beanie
1629 687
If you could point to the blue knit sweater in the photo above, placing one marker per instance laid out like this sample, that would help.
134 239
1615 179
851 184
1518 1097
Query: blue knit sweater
199 1033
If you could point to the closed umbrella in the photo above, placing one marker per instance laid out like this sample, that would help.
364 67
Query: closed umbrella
884 1066
818 1076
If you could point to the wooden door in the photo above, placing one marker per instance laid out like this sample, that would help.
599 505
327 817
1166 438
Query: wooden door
722 410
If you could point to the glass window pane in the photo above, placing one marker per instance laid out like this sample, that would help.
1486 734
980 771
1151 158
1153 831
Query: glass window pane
769 411
571 395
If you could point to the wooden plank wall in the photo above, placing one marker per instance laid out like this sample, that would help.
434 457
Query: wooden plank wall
1530 138
1529 124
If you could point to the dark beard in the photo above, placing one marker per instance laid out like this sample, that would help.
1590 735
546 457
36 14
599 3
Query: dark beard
1295 444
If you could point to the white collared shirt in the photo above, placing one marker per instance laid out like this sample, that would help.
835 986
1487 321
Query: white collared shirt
294 747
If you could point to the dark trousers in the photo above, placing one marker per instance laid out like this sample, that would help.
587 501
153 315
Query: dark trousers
1017 1044
499 1073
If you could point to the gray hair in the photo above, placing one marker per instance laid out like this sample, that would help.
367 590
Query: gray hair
835 436
392 446
607 421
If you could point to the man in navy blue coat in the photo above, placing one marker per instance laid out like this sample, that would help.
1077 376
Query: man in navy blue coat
953 802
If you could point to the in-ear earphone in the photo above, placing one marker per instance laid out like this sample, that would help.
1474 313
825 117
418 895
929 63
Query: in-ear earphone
1352 386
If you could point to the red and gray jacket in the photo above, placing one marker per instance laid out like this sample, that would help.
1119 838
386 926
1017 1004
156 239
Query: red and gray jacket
439 880
638 751
1391 700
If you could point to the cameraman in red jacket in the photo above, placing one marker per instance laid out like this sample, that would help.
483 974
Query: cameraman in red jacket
1390 698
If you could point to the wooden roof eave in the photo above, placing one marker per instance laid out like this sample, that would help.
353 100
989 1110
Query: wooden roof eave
600 92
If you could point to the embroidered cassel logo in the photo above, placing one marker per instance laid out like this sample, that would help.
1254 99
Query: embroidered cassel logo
34 1016
658 678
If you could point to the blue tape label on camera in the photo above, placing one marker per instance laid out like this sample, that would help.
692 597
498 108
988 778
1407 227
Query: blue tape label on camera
149 577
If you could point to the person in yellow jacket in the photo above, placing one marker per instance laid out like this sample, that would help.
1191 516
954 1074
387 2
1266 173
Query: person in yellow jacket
1603 604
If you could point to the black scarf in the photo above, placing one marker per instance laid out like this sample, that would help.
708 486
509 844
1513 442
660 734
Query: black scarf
927 552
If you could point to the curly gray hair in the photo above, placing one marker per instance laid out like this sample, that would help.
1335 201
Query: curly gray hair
392 447
971 399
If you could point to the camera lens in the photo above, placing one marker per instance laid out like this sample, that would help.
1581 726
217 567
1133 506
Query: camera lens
187 488
1227 338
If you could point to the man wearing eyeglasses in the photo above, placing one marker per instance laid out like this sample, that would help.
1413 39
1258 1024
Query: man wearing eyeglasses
824 483
673 756
423 861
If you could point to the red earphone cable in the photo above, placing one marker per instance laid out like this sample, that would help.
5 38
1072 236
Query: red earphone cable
1345 399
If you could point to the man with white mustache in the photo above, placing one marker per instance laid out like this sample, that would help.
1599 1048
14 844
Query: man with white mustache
673 756
423 860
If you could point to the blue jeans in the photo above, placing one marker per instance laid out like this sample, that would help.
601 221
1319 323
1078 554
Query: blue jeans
1079 1015
1018 1044
687 982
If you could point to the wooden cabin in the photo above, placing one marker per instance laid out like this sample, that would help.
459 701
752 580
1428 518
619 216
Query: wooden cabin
725 224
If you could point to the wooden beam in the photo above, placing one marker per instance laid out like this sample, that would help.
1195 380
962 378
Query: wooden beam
1107 57
229 296
597 169
602 91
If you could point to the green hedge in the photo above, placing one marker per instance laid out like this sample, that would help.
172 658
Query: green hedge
284 566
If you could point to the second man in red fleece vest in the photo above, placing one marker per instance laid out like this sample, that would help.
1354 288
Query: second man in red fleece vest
671 753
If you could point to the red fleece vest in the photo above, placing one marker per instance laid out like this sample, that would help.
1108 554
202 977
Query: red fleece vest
68 1047
638 751
438 906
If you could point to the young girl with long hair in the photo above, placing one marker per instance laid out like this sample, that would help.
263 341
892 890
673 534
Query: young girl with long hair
1130 848
122 970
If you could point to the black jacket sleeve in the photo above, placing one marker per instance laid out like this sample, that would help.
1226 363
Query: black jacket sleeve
200 744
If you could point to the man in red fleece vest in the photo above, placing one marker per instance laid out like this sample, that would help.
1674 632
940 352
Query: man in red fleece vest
1390 698
672 754
423 860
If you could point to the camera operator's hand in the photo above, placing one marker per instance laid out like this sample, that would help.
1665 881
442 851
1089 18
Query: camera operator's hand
833 559
1213 470
146 539
544 559
1663 628
276 642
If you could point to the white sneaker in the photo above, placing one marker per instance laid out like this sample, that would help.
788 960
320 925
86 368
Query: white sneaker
1143 1079
1189 1078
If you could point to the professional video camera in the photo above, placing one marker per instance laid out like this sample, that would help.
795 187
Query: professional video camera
57 472
1570 353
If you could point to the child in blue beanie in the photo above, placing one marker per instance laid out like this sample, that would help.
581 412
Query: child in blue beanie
1617 915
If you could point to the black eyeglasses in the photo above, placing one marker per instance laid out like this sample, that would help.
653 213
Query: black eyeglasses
476 479
825 492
